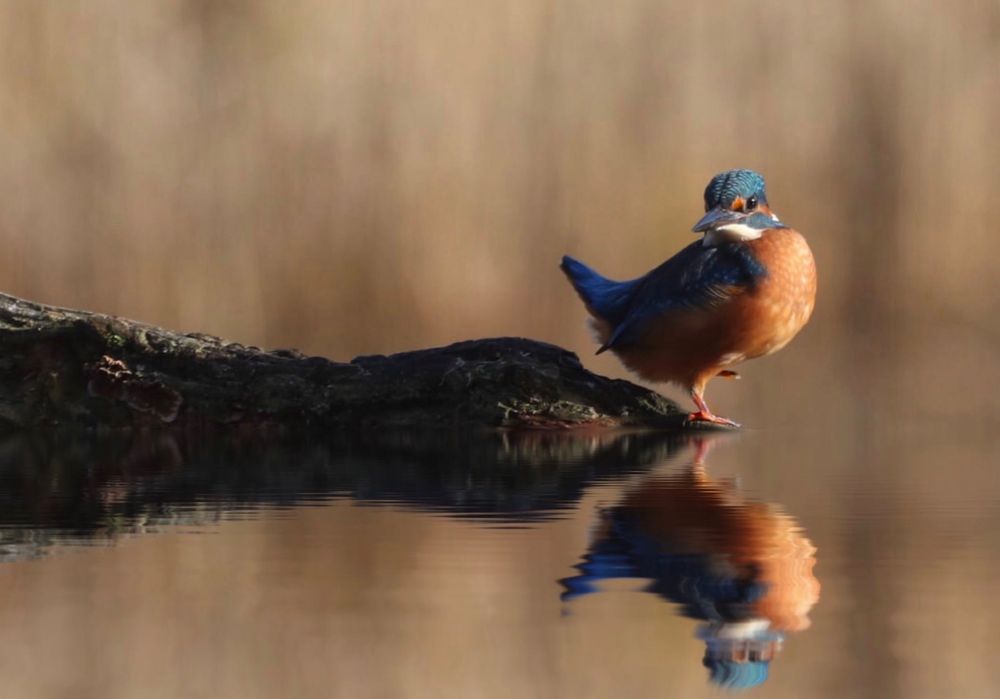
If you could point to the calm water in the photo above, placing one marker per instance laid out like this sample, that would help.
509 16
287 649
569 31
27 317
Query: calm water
810 557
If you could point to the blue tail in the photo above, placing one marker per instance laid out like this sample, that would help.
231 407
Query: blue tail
606 298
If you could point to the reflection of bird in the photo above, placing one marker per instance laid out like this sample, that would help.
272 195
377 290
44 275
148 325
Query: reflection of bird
743 291
743 567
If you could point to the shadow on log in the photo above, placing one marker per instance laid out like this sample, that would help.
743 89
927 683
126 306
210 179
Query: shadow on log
59 366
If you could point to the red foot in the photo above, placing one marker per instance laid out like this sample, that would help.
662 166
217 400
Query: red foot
705 416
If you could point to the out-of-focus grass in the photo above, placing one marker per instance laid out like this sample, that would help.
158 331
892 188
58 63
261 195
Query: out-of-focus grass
375 175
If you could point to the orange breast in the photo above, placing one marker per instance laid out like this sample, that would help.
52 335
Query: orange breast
772 314
691 346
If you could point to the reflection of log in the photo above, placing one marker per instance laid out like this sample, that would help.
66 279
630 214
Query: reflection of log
64 366
65 485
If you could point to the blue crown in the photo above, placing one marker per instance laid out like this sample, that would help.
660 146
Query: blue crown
725 187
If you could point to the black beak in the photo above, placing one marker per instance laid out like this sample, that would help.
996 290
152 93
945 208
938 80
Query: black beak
716 218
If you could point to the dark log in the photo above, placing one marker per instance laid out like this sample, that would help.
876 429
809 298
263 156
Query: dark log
60 366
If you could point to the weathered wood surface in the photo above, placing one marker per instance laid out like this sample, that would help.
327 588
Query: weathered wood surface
60 366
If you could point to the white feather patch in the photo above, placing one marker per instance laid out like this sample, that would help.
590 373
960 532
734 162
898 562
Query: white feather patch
730 233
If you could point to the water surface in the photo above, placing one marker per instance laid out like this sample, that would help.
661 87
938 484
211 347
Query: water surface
797 562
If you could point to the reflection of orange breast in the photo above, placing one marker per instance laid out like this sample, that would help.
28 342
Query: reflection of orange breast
695 515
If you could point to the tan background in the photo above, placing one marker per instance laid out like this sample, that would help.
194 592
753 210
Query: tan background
375 175
369 176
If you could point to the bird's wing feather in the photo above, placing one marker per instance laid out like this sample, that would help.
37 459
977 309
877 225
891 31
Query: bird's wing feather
606 298
697 277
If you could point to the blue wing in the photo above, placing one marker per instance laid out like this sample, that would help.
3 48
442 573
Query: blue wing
696 277
606 298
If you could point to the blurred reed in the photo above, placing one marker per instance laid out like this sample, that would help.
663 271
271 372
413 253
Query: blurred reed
376 175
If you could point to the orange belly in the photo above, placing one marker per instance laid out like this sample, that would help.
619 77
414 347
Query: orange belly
690 346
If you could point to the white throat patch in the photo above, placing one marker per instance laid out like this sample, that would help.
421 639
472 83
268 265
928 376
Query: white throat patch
730 233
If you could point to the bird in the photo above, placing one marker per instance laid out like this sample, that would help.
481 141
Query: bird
742 291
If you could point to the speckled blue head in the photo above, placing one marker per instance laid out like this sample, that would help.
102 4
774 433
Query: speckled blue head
736 205
726 187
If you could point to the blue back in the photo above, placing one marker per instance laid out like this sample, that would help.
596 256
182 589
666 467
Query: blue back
607 299
696 277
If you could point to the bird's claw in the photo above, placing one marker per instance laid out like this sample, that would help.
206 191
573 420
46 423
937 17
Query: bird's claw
704 416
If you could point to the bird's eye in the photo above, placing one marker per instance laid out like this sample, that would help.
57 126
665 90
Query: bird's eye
751 204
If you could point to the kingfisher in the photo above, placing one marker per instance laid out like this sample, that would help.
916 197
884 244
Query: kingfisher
742 291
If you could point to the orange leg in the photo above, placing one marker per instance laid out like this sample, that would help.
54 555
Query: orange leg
703 413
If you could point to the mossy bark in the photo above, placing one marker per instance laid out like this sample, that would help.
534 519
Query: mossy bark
60 366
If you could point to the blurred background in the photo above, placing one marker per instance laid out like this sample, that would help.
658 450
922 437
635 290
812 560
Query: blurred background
369 176
379 175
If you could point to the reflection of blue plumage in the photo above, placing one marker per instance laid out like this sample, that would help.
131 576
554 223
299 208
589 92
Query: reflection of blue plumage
698 276
702 585
736 676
